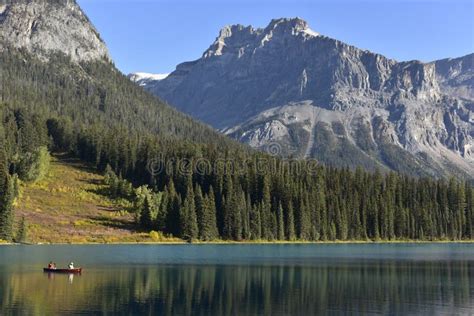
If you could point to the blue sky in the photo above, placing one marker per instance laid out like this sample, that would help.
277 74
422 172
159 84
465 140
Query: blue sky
156 35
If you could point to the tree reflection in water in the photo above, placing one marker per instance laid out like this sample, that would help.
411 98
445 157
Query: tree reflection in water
373 286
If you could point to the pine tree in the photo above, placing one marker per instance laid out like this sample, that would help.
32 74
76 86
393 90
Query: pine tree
305 218
461 210
239 206
281 223
200 208
162 211
146 214
453 208
255 222
189 225
265 212
290 227
22 233
6 210
208 228
228 206
318 204
6 195
469 234
344 224
246 233
173 210
338 219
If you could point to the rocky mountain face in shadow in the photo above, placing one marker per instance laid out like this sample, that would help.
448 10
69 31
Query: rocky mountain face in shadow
302 94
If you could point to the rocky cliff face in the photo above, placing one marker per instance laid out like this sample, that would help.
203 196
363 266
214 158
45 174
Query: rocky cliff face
456 76
288 88
45 26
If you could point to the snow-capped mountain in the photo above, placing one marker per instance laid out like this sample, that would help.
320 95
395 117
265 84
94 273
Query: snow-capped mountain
288 86
144 78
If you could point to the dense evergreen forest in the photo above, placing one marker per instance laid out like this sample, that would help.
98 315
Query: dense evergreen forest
93 93
189 181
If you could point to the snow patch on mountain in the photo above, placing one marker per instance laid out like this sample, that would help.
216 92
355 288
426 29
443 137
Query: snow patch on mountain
144 78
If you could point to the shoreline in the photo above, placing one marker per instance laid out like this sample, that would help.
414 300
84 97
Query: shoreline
228 242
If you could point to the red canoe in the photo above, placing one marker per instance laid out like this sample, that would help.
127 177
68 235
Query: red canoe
78 270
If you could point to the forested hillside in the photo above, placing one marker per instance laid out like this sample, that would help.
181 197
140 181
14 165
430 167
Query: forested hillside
186 180
92 93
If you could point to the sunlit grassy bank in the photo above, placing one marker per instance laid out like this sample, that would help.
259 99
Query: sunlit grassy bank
68 206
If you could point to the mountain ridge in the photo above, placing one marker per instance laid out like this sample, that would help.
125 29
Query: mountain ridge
381 108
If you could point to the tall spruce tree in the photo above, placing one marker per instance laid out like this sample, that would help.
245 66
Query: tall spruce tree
146 214
6 193
173 210
246 233
305 218
22 233
200 208
208 227
290 227
229 206
255 222
281 223
188 218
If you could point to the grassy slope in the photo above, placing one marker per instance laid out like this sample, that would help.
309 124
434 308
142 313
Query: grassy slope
68 207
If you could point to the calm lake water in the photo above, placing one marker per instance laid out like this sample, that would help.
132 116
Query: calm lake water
390 279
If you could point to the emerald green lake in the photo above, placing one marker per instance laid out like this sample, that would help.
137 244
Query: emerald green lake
304 279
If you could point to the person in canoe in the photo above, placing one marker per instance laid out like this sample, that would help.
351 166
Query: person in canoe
51 265
71 266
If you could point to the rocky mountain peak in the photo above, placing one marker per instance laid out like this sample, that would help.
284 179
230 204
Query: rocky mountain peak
236 39
231 38
293 26
46 26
